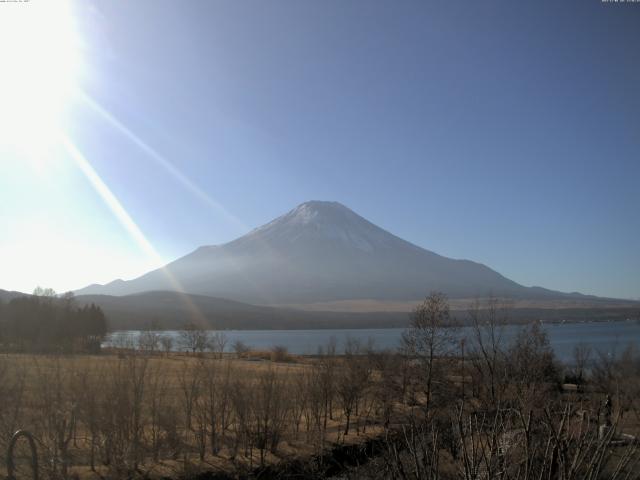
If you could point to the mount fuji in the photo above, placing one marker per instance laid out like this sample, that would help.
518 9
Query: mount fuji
322 252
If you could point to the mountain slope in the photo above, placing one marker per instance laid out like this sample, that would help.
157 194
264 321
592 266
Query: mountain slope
321 251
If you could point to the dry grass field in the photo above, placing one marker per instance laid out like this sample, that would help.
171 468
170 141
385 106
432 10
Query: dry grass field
434 410
163 415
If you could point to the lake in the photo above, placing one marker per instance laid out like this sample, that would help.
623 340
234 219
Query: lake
607 337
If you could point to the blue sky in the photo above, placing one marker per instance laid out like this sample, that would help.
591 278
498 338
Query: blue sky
503 132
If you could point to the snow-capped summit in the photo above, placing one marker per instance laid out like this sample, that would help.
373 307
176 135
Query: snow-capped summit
320 251
318 221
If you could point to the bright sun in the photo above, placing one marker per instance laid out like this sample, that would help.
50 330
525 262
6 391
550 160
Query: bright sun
39 55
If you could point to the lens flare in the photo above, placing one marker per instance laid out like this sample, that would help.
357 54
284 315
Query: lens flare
110 199
160 160
128 223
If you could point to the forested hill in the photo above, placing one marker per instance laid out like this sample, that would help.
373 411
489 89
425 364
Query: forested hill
32 323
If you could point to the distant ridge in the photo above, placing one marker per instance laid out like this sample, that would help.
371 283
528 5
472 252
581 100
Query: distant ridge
172 310
6 296
322 252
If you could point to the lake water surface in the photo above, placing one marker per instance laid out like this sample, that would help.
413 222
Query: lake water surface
606 337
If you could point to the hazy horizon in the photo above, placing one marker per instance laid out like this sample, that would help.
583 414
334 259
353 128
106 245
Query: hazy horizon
502 133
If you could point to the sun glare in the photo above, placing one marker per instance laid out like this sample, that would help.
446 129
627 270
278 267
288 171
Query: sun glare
40 66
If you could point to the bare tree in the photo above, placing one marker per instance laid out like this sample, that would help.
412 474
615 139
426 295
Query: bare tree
353 379
488 323
618 375
121 409
89 387
430 337
327 378
195 338
219 342
581 359
317 404
299 395
12 394
211 402
44 292
148 341
190 386
241 348
57 402
157 403
167 343
533 370
241 401
388 390
270 411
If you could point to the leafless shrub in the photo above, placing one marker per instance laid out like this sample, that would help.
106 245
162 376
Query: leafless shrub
240 348
279 353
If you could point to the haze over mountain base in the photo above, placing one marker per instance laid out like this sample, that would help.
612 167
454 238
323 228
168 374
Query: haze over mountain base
323 252
323 266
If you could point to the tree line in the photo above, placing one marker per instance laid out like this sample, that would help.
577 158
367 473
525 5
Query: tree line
44 322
